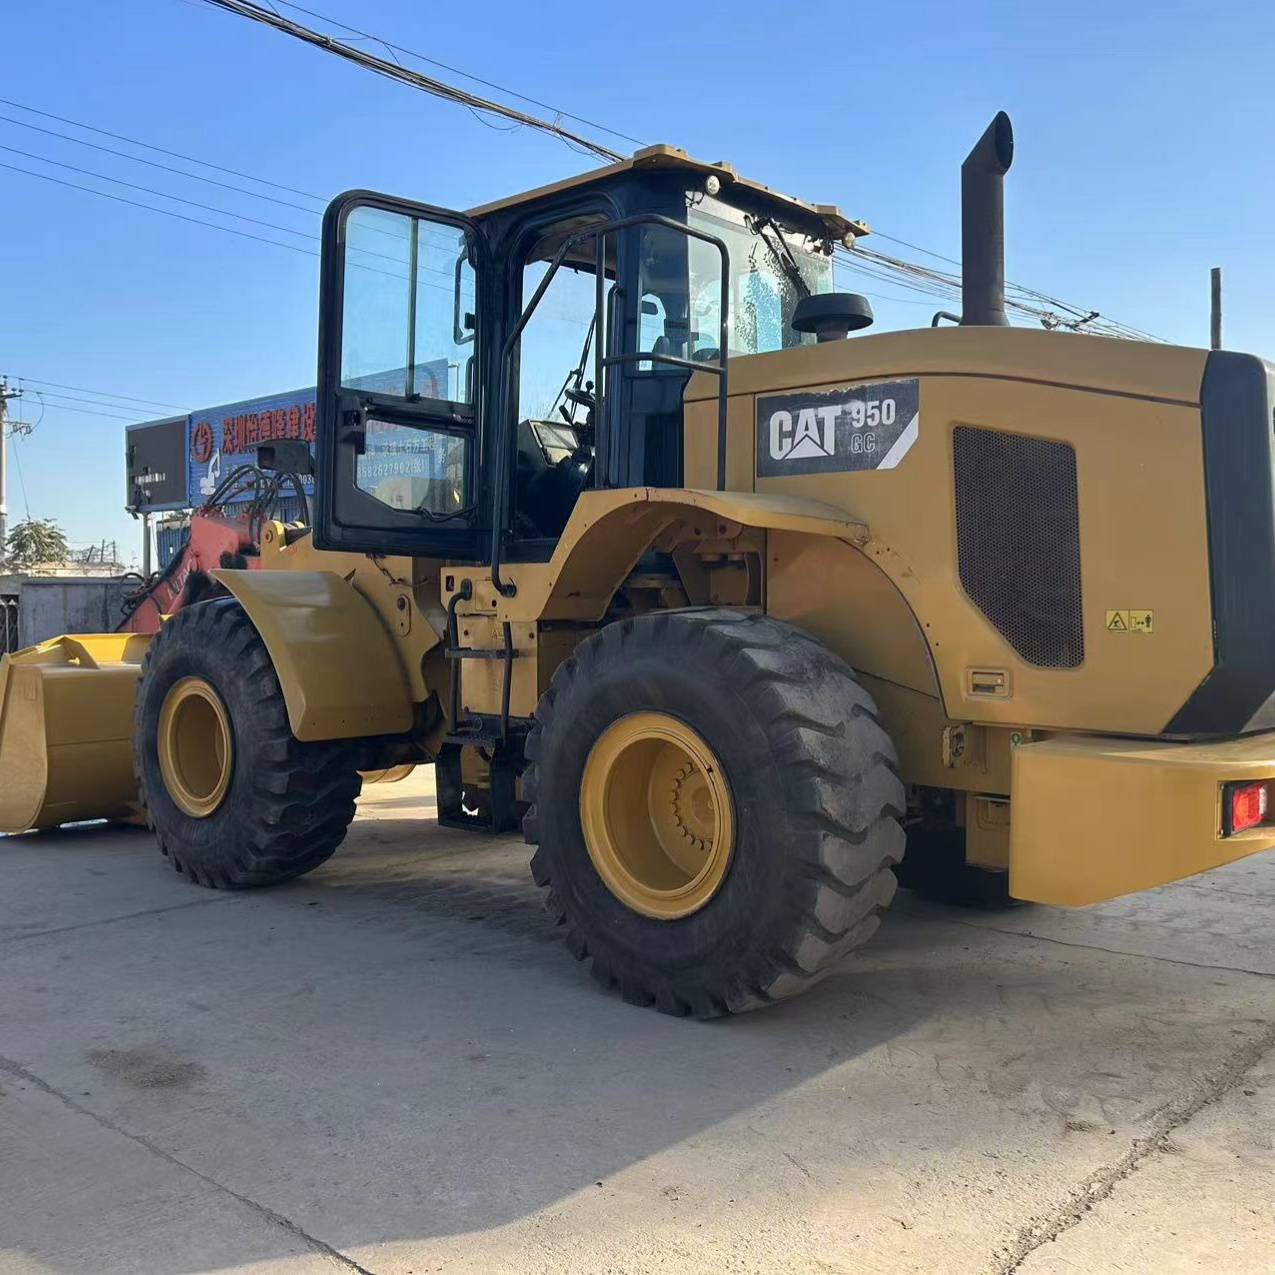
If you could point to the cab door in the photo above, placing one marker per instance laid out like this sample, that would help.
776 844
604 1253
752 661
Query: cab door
402 349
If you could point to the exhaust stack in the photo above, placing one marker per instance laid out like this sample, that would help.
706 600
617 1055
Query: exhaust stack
983 225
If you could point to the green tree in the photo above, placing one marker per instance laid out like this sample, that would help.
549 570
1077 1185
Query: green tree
36 542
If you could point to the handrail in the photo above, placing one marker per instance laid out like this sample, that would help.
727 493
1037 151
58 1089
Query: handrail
599 232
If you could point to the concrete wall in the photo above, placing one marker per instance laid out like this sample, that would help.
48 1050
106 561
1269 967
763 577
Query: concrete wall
51 605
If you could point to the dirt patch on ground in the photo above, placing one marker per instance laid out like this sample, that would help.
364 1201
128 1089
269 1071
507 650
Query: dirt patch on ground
146 1068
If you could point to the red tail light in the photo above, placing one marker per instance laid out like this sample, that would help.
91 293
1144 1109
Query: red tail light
1243 806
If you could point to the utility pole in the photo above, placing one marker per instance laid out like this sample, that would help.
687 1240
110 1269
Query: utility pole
5 395
1215 308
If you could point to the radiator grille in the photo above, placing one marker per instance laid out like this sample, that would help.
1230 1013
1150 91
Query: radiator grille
1018 540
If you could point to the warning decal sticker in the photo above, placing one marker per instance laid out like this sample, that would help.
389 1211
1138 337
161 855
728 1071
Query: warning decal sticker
860 427
1130 621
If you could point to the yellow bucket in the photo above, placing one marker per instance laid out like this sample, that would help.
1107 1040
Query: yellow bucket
66 730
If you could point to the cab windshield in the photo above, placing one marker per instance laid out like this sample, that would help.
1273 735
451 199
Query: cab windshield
685 319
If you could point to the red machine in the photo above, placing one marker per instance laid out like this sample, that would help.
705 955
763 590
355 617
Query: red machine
218 538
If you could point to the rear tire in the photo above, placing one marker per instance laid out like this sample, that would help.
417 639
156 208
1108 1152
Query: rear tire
275 807
814 796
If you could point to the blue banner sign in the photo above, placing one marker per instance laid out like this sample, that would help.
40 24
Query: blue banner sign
222 438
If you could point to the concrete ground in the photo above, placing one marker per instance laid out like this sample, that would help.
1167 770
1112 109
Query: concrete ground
394 1066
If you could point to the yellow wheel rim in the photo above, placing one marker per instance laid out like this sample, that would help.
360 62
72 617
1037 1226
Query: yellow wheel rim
196 749
657 815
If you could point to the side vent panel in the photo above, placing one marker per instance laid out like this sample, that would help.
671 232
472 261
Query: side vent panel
1018 540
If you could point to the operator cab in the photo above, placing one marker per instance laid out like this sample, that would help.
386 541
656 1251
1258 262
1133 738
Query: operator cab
479 371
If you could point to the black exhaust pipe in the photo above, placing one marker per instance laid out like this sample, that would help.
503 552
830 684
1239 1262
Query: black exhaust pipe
983 225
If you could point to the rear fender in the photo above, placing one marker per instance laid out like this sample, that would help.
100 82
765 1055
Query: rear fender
339 667
610 530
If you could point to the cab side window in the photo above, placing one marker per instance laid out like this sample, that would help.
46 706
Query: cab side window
406 283
408 323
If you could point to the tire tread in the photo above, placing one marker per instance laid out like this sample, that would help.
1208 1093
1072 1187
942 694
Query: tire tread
839 773
292 815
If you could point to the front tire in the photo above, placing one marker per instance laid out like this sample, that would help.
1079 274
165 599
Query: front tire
233 797
752 743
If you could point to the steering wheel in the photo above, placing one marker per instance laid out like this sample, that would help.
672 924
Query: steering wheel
581 396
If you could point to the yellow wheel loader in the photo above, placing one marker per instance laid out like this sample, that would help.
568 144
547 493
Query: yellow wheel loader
742 616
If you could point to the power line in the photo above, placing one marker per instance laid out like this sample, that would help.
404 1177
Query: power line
167 212
162 194
880 266
82 411
891 297
80 389
159 150
223 212
1050 312
33 426
168 168
1028 302
922 279
180 172
558 112
903 243
74 398
414 79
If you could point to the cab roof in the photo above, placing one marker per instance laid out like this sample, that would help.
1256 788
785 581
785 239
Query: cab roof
835 223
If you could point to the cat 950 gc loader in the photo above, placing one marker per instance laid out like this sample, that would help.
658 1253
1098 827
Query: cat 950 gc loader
619 525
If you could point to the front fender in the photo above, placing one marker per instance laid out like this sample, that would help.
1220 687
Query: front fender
339 667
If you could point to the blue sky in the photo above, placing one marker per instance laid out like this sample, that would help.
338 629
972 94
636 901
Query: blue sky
1142 134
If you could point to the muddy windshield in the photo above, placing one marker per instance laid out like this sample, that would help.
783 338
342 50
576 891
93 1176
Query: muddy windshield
763 298
681 284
